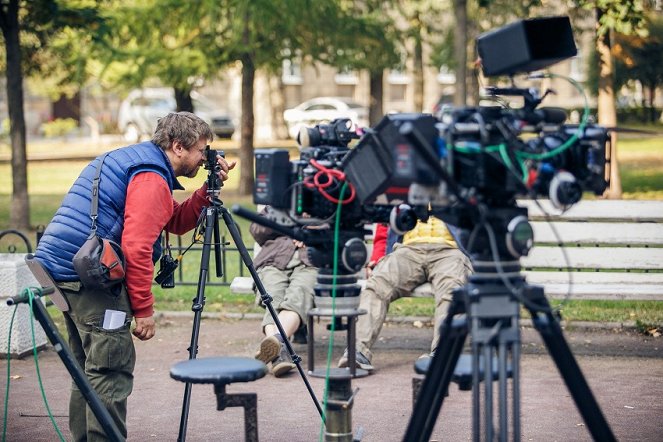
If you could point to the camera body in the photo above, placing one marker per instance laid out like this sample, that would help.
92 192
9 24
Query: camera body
214 183
165 277
307 190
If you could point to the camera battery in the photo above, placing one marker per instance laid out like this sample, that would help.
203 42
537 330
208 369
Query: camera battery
272 178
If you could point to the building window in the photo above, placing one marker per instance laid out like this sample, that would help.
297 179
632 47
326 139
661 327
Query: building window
346 77
397 92
397 76
292 71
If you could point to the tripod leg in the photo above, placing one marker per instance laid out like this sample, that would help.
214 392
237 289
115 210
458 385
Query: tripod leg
77 374
437 379
198 303
267 301
551 333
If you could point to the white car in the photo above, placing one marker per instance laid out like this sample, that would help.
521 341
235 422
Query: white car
322 110
139 112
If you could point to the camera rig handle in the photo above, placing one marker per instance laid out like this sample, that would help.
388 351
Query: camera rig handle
312 237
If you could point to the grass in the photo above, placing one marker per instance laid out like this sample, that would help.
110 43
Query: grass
641 167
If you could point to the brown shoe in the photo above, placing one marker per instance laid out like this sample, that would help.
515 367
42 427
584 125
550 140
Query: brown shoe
269 349
282 364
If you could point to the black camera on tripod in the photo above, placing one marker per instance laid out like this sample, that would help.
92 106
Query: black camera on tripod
214 182
308 190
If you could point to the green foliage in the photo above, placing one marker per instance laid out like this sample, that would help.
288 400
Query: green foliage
59 127
624 16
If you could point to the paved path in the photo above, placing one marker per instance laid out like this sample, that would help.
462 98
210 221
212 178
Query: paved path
624 371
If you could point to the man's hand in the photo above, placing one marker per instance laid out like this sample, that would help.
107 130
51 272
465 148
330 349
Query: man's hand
145 328
369 268
225 167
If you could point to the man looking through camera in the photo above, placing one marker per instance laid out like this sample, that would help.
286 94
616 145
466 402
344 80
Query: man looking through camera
398 265
135 205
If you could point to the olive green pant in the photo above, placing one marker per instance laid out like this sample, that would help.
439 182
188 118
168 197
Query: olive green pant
291 289
106 356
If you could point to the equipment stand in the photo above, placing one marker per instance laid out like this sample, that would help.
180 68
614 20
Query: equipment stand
211 225
351 315
69 361
488 308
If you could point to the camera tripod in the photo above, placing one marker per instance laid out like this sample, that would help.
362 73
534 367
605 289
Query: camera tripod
209 222
48 287
488 309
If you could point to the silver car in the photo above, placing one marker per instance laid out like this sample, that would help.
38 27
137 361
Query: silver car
139 112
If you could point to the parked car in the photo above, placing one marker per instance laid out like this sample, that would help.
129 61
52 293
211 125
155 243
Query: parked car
322 110
139 112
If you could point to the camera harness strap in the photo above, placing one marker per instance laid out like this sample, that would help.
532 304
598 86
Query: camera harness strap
94 207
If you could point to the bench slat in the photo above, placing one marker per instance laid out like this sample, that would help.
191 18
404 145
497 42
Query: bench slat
593 210
598 233
595 258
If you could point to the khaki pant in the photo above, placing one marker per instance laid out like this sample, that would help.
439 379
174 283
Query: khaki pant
291 289
398 274
107 357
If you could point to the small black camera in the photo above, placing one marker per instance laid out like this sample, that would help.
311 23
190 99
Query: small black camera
214 183
166 275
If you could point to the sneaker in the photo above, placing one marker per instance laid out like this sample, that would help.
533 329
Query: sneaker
282 364
269 349
427 355
361 361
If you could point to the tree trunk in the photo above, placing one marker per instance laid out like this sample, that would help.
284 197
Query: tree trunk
247 123
376 86
607 112
20 203
183 100
460 52
652 103
418 75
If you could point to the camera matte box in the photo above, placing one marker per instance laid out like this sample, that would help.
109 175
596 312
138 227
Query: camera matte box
526 46
385 161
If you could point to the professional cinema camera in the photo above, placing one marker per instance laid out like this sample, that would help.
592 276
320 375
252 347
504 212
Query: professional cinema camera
303 198
468 167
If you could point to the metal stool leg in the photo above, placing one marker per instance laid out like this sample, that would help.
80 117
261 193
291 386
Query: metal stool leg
249 401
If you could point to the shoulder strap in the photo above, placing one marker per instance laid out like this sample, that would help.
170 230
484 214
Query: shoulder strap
95 196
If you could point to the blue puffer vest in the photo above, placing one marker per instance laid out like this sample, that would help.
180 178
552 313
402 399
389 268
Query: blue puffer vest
71 224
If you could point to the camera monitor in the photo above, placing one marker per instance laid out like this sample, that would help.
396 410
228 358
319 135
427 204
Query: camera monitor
526 45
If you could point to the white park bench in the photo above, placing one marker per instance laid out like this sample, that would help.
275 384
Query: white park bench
615 251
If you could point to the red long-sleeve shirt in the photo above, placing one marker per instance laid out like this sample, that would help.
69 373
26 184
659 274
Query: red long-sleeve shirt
149 209
379 242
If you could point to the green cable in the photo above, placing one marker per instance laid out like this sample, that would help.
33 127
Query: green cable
9 346
574 137
337 223
34 353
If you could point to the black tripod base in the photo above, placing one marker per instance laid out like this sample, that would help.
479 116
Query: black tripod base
490 314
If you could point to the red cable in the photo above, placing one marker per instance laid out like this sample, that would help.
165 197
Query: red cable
329 175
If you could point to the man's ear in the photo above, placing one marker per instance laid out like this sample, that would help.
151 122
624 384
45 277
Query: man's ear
177 147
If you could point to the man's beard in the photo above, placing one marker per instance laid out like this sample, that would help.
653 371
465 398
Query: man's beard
191 173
